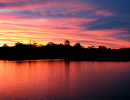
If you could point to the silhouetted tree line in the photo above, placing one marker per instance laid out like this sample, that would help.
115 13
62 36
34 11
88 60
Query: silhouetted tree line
22 51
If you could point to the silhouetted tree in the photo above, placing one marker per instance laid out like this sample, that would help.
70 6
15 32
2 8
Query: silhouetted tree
51 44
18 44
102 47
92 47
78 45
67 42
35 44
60 51
5 45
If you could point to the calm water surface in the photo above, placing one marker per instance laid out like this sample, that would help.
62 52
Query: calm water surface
61 80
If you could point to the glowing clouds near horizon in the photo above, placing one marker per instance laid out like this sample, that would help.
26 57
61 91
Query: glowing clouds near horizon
88 22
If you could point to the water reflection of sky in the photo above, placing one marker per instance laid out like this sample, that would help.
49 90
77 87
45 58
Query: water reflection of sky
64 80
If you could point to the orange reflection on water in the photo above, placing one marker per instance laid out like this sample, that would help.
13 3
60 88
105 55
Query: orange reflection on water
61 80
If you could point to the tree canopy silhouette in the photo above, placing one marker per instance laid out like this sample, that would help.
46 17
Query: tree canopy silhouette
60 51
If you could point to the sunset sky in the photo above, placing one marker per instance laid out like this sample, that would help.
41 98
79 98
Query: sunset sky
90 22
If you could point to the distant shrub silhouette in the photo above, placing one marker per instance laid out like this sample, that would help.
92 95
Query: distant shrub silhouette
78 45
5 46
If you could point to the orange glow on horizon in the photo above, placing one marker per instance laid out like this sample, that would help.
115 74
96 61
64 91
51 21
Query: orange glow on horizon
54 21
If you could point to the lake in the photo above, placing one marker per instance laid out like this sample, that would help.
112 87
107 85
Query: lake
64 80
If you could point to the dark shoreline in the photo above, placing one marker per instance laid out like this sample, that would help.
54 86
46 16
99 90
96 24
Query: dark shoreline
66 60
67 52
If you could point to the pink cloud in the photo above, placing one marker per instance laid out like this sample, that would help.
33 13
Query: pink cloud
104 12
65 7
51 29
19 27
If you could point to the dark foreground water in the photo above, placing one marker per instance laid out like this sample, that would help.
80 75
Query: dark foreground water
61 80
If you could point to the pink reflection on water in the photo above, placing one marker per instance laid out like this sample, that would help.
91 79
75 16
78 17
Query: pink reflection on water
61 80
